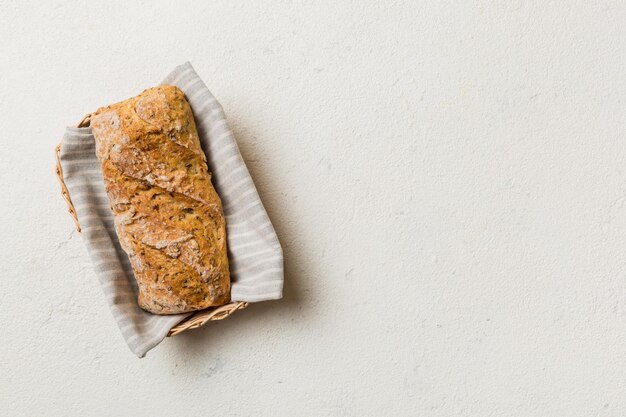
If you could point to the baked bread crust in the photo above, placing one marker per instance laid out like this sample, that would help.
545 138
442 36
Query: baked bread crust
168 217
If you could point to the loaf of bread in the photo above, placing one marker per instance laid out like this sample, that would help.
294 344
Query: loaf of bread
168 217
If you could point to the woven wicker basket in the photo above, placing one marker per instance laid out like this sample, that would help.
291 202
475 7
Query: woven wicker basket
197 319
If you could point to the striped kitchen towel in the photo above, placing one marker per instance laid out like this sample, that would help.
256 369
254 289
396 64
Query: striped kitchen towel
255 255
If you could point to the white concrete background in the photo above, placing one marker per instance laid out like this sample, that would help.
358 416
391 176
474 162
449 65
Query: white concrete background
447 180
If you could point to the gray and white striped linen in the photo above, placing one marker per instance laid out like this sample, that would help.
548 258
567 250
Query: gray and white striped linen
255 255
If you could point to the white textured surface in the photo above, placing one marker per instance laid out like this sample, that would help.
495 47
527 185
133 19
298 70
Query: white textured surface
447 181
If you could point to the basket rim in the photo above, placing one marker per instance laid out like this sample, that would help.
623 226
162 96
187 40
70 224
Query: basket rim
196 319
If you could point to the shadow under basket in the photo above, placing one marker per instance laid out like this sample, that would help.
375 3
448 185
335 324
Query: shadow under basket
197 319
